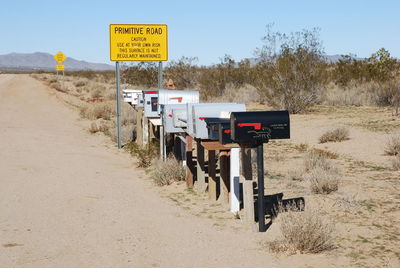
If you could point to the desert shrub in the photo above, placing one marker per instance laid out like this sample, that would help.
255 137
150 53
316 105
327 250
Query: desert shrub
96 93
386 93
183 72
393 145
353 94
57 86
291 71
95 111
323 181
305 231
80 82
93 128
245 94
396 163
214 80
144 155
324 153
335 135
314 159
301 147
168 171
322 175
141 74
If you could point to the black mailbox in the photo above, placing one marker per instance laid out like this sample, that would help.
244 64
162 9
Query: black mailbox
213 126
224 133
259 126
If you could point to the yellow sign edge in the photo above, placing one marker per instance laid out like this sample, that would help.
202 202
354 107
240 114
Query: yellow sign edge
109 30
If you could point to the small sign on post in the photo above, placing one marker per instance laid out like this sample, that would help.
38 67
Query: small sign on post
60 67
137 42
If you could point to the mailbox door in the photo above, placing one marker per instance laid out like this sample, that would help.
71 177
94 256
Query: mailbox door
140 101
224 133
168 120
179 116
260 126
150 104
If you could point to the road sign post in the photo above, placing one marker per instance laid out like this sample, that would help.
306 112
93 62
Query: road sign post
137 42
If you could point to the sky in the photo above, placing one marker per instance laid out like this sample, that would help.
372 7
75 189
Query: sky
204 29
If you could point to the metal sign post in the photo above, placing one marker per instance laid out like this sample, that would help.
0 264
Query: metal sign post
137 42
260 175
117 78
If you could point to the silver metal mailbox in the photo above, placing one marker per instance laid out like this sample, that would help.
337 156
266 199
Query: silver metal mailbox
220 110
167 117
132 96
150 98
166 96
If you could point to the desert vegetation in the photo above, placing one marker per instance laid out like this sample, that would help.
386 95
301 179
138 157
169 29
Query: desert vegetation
353 182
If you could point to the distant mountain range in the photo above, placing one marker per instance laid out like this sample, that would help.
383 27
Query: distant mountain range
45 61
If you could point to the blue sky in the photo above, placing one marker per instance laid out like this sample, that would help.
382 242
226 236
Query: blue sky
205 29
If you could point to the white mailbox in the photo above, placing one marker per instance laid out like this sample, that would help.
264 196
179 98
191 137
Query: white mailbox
154 98
200 112
132 96
150 98
189 111
167 117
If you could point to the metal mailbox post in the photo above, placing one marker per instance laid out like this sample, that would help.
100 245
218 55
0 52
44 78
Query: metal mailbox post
252 129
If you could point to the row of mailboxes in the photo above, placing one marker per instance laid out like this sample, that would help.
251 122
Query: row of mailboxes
191 117
250 127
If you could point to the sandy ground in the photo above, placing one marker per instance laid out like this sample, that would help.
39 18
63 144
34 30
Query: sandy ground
70 199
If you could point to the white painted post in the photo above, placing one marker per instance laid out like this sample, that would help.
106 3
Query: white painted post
234 180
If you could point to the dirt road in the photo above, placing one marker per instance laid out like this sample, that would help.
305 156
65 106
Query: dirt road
71 199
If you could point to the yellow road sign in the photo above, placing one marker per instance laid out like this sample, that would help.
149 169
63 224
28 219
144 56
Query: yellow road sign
60 57
138 42
60 67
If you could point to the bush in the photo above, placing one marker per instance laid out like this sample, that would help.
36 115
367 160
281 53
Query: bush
144 155
335 135
322 175
167 172
393 145
291 71
323 181
183 72
305 231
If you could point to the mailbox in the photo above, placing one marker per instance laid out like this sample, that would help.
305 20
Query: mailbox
154 98
177 97
260 126
150 98
213 126
133 97
200 112
167 117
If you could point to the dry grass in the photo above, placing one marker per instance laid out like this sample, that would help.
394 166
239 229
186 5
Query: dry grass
393 145
168 172
98 110
355 94
323 181
324 153
303 231
335 135
322 175
244 94
396 163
